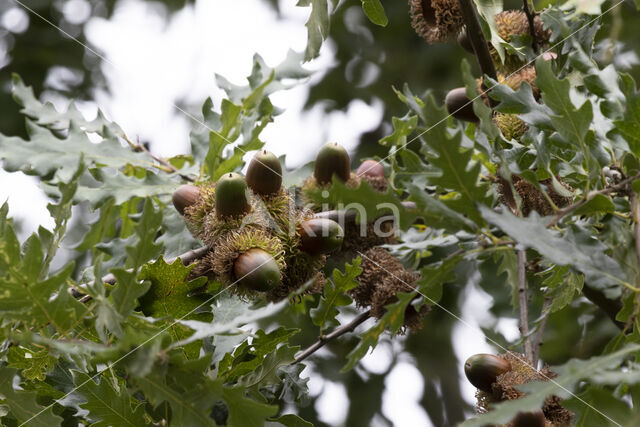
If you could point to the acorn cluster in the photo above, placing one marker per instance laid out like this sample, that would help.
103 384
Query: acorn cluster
334 161
496 378
383 275
533 199
260 242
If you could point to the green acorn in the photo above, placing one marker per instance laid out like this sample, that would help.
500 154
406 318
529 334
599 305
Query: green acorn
256 270
332 159
232 196
459 105
320 236
185 196
529 419
264 175
371 168
483 369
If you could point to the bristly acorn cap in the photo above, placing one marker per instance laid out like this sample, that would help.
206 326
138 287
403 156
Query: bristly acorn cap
436 21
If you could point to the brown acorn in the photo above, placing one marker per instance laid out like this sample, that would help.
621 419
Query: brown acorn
264 175
185 196
232 196
332 159
459 105
257 270
529 419
483 369
320 236
371 168
464 42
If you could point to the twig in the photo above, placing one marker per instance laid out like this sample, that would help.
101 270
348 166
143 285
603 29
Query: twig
611 189
324 339
167 167
524 308
537 341
476 37
530 12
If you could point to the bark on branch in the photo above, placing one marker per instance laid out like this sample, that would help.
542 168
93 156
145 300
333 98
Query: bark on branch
324 339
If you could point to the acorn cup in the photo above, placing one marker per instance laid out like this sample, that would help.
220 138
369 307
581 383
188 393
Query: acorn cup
232 196
185 196
529 419
371 168
332 159
483 369
264 175
459 105
257 270
320 236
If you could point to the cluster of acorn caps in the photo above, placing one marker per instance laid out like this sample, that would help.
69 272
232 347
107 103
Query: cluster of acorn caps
263 242
495 377
258 239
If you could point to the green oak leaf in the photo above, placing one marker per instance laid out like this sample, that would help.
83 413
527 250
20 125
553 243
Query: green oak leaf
108 401
334 295
22 405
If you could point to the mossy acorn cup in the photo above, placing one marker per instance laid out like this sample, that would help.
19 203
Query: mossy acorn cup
257 270
332 159
320 236
459 105
264 175
483 369
232 196
185 196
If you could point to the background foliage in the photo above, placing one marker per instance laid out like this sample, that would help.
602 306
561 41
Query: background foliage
163 353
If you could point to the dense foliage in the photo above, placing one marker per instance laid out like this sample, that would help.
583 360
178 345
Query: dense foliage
535 203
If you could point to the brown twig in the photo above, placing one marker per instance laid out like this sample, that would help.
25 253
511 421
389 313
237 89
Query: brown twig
166 166
324 339
531 14
524 306
537 341
608 190
476 37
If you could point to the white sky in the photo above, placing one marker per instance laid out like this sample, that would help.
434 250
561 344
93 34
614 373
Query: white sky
154 63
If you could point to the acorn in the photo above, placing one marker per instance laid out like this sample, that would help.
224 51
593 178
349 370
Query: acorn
264 175
459 105
529 419
185 196
371 168
464 42
483 369
320 236
256 270
232 196
332 159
